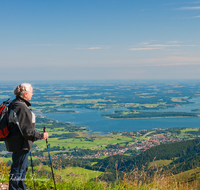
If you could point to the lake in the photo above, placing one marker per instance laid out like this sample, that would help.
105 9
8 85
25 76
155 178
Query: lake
97 124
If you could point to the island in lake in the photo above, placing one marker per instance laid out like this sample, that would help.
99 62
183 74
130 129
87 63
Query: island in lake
54 110
195 110
142 115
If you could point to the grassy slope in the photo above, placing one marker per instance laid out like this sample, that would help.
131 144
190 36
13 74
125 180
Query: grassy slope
160 163
71 173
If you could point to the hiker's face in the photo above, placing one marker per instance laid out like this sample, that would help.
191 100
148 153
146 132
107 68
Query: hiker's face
28 95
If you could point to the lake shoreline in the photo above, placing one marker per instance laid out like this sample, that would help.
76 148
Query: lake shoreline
97 123
151 117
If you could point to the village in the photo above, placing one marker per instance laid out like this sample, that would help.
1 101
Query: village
138 145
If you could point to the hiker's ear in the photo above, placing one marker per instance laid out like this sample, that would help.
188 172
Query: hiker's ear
25 95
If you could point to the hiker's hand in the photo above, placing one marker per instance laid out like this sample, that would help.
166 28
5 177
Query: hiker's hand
45 135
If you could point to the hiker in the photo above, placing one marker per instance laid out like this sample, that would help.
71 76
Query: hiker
22 134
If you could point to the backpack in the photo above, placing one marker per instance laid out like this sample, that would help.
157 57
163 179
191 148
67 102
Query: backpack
4 112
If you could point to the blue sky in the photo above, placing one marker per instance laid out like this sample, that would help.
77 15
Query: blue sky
99 39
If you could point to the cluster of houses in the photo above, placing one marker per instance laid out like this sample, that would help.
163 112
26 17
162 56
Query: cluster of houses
131 148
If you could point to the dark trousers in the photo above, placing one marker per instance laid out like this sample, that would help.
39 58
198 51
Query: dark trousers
19 168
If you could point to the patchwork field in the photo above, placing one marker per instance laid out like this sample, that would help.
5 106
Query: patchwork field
83 140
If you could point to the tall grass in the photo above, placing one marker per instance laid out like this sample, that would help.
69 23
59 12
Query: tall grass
132 182
165 183
136 180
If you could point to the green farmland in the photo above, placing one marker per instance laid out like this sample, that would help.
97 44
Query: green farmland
71 173
84 140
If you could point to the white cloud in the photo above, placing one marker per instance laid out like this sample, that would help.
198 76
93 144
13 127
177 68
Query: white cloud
45 45
145 43
196 2
188 8
94 48
164 45
173 60
147 46
173 45
196 16
136 49
171 64
173 42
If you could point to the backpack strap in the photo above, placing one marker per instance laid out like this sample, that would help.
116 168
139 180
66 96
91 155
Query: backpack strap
13 118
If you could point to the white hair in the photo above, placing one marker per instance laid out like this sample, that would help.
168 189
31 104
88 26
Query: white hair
22 88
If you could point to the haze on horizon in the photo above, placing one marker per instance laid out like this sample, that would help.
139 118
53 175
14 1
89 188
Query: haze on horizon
101 39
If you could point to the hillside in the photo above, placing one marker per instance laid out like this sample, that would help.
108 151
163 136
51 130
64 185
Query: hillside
173 158
155 168
183 155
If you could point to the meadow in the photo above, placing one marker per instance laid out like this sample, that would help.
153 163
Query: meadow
83 140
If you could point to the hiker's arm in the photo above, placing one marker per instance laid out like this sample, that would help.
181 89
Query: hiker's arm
28 126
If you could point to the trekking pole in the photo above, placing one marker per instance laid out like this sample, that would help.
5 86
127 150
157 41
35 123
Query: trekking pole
50 161
32 169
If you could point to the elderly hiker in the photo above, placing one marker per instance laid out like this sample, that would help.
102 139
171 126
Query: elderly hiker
22 134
